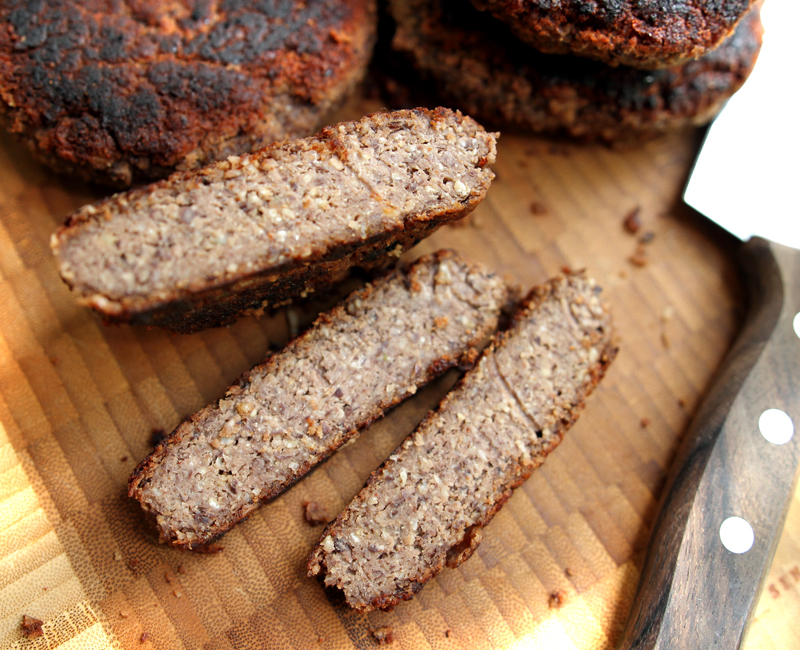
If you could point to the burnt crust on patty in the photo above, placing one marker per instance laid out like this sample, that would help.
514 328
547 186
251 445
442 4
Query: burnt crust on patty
646 34
479 67
120 92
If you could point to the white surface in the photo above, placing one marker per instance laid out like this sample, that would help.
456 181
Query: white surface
736 535
796 324
747 175
776 426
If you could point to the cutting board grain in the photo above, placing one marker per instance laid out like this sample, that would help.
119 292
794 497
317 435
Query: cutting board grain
79 403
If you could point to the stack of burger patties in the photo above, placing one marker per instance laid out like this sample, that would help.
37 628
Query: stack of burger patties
594 69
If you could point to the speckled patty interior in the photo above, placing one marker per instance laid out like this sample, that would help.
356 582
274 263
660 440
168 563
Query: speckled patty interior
427 504
285 416
645 34
119 91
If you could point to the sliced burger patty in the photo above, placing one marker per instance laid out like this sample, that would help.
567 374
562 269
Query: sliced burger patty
198 248
302 404
425 507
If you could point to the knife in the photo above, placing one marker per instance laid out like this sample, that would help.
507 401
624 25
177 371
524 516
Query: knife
726 497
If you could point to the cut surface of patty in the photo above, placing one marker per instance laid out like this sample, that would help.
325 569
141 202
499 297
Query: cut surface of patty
647 35
425 507
478 66
290 413
200 247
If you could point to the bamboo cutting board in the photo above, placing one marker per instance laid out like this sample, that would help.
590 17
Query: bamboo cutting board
558 567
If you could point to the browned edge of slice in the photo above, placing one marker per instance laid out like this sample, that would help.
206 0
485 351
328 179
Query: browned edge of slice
472 535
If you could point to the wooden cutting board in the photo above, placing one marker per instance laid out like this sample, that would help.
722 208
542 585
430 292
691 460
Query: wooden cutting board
558 566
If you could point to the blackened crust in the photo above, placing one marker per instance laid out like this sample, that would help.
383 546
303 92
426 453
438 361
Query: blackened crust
479 66
646 35
121 92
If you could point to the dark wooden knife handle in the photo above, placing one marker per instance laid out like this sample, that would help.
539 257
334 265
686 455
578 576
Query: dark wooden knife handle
693 592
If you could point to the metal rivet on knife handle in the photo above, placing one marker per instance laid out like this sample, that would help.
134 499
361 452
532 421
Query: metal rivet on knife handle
776 426
736 534
797 324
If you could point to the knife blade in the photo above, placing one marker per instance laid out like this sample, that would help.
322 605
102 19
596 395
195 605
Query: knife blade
726 497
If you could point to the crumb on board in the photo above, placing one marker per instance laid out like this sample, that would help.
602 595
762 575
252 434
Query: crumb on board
315 513
632 221
569 572
31 627
665 340
448 633
538 208
133 563
639 257
181 569
667 313
383 635
124 459
645 422
557 598
118 556
144 637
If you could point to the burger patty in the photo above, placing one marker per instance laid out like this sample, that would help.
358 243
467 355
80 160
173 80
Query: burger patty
123 91
256 231
480 67
426 506
647 35
291 412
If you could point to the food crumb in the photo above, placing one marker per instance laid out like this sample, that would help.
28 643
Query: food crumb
569 572
31 627
639 258
315 513
383 635
157 436
177 594
538 208
124 459
117 556
181 569
682 403
447 633
441 322
623 274
633 222
123 613
665 340
168 577
144 637
645 422
133 563
210 549
666 313
557 598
